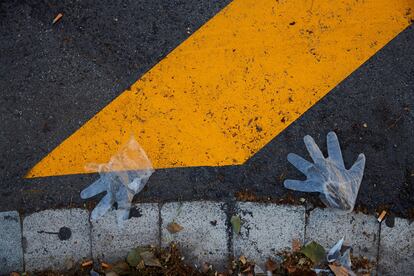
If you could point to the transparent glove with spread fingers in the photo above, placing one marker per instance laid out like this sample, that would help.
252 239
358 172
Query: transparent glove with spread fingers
338 187
121 178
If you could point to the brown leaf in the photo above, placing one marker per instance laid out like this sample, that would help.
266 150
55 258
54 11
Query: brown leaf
205 267
121 268
150 259
247 269
291 269
141 265
296 245
338 270
270 265
243 259
14 274
174 227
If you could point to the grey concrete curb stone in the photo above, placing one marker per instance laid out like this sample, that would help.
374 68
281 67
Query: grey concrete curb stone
46 251
111 243
204 234
11 253
397 248
267 229
327 227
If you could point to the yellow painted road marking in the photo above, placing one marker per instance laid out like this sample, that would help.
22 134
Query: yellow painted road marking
235 84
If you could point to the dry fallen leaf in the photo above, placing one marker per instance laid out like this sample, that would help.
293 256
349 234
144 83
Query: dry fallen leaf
14 274
296 245
57 18
338 270
121 268
301 261
150 259
270 265
243 259
291 269
247 269
174 227
205 267
314 251
236 224
141 265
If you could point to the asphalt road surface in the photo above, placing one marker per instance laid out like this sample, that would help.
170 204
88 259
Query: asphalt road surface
53 78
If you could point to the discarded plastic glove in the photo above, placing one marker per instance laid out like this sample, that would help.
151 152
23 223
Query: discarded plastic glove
338 187
124 176
341 256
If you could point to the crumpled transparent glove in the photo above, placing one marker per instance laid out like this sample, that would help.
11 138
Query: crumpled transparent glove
338 187
341 256
122 177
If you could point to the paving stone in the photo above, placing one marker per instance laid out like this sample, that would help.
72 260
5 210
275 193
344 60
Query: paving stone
50 251
267 229
327 227
11 253
397 248
111 242
204 234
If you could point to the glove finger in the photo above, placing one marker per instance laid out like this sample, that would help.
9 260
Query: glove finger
334 149
103 206
313 149
299 163
302 186
95 188
358 168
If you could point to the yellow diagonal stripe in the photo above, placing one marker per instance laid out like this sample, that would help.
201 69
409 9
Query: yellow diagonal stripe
236 83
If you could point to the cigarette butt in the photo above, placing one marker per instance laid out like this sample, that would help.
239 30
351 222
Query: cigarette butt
105 265
57 18
87 263
382 216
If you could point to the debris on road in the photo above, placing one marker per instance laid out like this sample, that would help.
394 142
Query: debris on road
174 227
122 178
57 18
339 258
313 251
338 187
338 270
334 252
271 266
87 263
243 259
105 265
236 224
382 216
155 261
296 245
